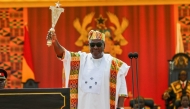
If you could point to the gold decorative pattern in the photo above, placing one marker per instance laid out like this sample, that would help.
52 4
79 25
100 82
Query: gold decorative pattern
120 28
101 22
113 34
68 3
83 29
181 62
188 87
176 87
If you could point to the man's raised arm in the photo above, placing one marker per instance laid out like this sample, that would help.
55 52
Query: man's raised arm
59 50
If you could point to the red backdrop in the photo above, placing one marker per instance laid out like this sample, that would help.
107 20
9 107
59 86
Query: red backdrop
151 33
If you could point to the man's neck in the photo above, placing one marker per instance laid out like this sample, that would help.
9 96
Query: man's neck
183 80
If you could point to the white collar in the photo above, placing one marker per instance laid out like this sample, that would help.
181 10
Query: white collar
183 82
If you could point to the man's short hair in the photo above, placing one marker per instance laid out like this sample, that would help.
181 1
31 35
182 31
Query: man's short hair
139 98
184 96
181 72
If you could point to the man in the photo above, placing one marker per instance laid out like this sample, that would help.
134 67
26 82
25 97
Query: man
96 80
177 88
184 102
3 77
139 103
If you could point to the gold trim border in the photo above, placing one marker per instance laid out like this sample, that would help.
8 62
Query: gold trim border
74 3
49 93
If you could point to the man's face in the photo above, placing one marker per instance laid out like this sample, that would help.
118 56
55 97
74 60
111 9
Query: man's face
185 101
139 103
183 75
2 83
96 48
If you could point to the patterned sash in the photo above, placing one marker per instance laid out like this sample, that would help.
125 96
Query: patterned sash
73 80
115 65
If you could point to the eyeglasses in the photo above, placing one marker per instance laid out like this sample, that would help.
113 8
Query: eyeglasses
99 44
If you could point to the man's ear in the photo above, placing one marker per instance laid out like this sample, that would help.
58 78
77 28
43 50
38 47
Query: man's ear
5 81
104 44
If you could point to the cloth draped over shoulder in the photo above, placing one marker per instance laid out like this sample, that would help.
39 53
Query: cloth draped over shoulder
176 87
73 63
175 91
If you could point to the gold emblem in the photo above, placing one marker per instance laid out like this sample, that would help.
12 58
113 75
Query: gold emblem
114 38
181 62
178 86
188 87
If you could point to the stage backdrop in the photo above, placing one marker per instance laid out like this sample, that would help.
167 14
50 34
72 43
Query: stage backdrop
11 44
184 20
148 30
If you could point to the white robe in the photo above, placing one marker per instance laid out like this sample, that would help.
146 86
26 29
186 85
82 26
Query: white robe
98 98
